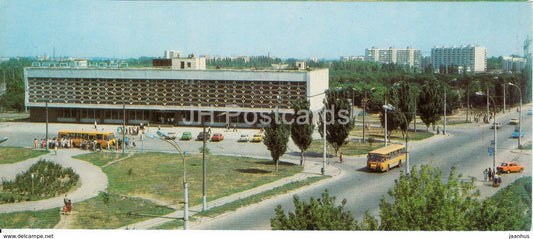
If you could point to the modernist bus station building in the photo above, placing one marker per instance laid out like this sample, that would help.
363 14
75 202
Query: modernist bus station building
172 91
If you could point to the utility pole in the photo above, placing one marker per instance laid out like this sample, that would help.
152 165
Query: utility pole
204 177
444 130
467 104
324 135
46 105
386 122
123 127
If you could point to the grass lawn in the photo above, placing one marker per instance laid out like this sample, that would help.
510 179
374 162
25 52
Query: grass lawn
35 220
17 154
245 201
160 176
101 158
109 211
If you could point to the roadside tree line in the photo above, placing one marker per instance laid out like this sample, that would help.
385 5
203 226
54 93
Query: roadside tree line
420 201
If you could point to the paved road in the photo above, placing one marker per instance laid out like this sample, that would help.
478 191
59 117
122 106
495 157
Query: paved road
464 147
93 180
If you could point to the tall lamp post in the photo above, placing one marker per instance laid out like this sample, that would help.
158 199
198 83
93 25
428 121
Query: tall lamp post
444 130
391 108
178 148
364 103
479 93
519 116
323 171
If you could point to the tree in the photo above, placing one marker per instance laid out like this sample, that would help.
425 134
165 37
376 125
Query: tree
394 119
318 214
338 122
422 201
276 138
430 103
303 127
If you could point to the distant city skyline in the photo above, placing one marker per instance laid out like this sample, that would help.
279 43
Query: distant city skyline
323 30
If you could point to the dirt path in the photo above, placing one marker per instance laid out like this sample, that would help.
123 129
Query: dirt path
66 220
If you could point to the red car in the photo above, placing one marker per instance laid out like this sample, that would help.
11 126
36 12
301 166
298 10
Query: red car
509 167
217 137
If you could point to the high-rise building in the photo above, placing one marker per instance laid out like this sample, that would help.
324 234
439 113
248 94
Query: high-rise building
513 64
409 56
466 58
170 54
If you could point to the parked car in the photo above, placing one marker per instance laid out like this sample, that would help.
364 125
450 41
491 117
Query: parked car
217 137
186 136
243 138
509 167
201 136
257 138
166 135
515 133
514 122
496 125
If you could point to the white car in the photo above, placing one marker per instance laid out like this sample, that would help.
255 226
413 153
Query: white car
243 138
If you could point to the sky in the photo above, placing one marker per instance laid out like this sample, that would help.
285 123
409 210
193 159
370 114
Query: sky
325 30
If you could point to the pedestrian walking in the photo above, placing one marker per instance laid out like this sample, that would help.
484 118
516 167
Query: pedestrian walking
95 126
341 158
69 207
490 174
485 174
65 201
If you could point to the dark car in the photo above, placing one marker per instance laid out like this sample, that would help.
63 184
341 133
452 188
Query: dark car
201 136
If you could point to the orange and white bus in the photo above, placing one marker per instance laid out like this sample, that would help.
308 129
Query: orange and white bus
80 138
383 159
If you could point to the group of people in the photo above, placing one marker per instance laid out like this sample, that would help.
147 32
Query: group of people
492 176
52 143
486 118
228 128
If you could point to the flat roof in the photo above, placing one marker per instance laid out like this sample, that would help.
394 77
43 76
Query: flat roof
166 74
389 148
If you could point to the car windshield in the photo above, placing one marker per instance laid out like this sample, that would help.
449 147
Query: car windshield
243 135
504 164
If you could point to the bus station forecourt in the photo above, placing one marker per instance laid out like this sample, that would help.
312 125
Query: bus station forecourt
94 181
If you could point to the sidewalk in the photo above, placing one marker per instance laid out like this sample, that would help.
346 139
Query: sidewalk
311 169
92 180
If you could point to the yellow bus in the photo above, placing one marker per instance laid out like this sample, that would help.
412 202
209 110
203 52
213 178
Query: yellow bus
84 138
383 159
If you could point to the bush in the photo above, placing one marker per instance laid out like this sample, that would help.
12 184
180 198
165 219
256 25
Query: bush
49 180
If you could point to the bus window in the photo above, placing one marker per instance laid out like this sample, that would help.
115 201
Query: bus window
99 136
85 136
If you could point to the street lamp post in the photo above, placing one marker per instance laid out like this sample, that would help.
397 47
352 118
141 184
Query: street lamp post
178 148
46 140
479 93
519 116
324 135
444 130
391 108
204 197
365 101
385 122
